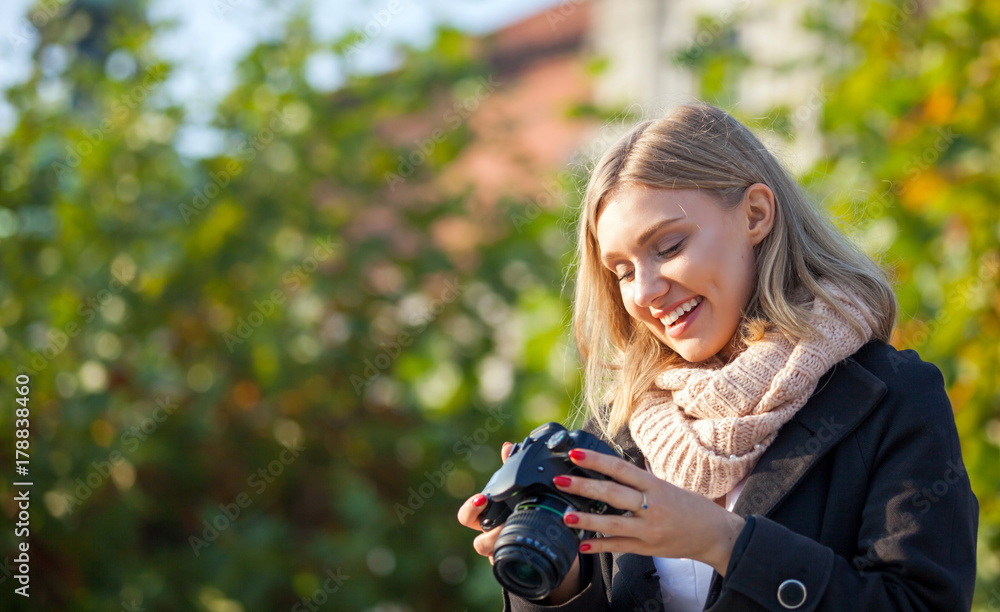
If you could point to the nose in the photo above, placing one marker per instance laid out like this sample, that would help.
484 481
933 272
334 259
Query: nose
647 286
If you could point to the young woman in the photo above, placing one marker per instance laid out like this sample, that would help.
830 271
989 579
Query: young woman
777 452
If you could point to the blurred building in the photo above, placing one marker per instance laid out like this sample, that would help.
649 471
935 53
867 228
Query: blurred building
642 40
525 130
543 67
542 62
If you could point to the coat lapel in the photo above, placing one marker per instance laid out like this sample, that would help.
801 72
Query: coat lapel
637 576
842 399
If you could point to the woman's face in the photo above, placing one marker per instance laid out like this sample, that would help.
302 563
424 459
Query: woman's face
670 246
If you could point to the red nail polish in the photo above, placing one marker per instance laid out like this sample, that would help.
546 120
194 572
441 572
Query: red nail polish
584 547
562 481
577 454
479 500
571 519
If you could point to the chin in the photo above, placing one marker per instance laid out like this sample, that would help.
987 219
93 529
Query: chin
691 350
698 358
695 354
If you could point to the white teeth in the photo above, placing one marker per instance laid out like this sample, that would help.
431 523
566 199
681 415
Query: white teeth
680 310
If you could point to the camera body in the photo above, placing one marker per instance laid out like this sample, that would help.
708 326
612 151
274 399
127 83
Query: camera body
535 548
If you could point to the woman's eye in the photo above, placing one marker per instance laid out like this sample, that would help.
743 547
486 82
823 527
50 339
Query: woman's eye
672 250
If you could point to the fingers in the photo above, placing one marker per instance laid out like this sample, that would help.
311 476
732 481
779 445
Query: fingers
505 451
615 467
468 513
612 544
619 496
484 543
610 524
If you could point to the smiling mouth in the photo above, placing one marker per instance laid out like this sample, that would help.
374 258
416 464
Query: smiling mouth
673 318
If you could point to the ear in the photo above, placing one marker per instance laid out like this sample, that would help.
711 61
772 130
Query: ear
758 201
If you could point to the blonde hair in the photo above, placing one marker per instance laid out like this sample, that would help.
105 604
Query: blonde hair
698 146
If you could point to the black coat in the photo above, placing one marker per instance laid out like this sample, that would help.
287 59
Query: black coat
862 498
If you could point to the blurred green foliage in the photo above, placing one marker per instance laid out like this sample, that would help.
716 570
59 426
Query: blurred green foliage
283 294
259 381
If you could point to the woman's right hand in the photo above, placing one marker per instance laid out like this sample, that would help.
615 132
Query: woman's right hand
468 515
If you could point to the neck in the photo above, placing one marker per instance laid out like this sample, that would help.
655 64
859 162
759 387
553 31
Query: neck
732 348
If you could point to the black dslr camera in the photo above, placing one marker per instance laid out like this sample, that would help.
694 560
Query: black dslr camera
536 549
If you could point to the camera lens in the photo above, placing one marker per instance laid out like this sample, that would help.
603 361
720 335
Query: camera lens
535 548
524 574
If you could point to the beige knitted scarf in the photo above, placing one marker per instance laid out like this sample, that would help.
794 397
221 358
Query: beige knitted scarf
704 427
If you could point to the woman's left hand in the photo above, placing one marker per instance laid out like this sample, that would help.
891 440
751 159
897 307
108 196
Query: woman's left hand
676 522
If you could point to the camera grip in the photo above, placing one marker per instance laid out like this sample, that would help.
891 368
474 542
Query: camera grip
493 515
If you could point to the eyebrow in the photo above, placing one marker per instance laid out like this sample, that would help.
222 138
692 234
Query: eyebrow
644 236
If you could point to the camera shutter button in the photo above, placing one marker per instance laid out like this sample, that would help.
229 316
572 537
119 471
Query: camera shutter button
559 441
